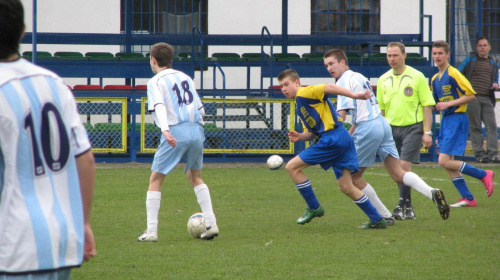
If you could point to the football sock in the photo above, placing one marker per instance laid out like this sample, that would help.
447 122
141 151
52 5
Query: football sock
462 188
376 202
152 208
472 171
205 202
404 195
364 203
307 193
414 181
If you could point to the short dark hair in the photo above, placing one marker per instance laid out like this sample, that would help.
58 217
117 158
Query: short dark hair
11 27
288 73
482 38
337 54
163 53
400 45
441 44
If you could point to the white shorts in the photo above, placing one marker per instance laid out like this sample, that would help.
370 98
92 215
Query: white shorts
374 137
189 148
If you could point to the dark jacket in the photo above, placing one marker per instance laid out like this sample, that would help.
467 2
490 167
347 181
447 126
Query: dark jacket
467 66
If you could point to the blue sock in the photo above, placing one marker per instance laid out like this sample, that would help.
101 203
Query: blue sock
307 193
367 207
472 171
462 188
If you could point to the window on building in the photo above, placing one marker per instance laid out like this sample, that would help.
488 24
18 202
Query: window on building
344 17
474 19
166 17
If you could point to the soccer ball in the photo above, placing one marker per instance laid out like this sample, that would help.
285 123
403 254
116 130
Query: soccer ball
196 225
275 162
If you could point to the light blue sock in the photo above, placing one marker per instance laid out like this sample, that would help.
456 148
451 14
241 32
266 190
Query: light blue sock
462 188
472 171
367 207
308 194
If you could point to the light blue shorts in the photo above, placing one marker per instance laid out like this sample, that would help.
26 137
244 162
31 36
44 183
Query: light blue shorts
453 134
334 149
374 137
189 149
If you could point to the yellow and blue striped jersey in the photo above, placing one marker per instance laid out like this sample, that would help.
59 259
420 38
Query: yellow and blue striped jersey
451 86
315 110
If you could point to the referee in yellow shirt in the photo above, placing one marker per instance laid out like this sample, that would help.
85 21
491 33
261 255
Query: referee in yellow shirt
405 98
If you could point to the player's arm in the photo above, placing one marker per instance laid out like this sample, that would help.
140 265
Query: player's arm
161 116
86 174
295 136
457 102
427 137
335 89
343 114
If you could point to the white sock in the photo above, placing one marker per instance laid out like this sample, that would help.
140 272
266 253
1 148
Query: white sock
414 181
369 191
205 202
152 208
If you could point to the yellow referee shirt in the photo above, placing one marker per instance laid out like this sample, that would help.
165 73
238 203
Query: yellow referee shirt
403 96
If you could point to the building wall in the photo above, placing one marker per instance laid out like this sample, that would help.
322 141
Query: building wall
224 17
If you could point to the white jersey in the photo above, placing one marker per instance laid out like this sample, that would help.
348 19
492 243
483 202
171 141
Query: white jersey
177 92
361 110
41 213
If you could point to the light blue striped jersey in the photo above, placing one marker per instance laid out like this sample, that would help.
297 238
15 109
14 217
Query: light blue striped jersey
41 213
361 110
177 92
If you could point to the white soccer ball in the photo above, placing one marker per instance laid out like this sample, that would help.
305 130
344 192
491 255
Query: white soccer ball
196 225
275 162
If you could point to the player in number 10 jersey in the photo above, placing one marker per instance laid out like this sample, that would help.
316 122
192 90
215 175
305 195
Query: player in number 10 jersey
46 166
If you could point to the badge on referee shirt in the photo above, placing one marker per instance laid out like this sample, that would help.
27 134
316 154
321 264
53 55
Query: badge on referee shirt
408 91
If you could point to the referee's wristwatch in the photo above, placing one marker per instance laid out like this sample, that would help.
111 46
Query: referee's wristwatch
428 133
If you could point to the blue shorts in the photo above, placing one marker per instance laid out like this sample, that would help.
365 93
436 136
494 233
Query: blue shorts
453 134
334 149
189 148
374 137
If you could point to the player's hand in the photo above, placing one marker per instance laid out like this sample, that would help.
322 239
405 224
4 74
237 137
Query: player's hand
170 139
441 106
495 86
89 250
294 136
427 141
365 95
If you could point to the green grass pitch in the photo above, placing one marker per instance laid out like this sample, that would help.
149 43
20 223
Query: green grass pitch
256 210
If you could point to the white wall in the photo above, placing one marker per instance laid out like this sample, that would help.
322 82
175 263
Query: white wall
402 16
233 17
74 16
224 17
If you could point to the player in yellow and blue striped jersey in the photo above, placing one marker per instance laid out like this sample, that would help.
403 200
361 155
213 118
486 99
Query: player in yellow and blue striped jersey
452 91
334 149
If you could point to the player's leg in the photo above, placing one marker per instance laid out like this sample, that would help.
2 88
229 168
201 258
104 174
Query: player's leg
369 191
415 182
205 201
368 137
153 199
362 201
295 167
452 142
164 161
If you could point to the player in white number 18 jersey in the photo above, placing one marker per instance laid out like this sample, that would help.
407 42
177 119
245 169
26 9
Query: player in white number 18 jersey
177 110
46 166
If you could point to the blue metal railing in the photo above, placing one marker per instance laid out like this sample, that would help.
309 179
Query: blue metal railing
263 57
